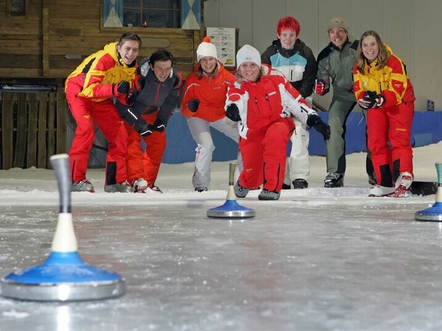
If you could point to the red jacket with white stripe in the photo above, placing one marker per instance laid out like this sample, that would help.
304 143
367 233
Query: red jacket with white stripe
267 100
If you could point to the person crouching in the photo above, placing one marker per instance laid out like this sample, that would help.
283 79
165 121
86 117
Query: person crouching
263 101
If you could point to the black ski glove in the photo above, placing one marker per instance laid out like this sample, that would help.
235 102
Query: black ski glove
193 105
316 122
232 112
144 129
121 88
371 100
130 98
159 126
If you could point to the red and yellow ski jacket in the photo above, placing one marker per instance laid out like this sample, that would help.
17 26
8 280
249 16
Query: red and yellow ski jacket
96 76
391 81
210 91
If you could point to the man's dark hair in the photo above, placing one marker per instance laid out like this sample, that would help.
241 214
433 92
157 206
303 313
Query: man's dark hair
161 55
129 36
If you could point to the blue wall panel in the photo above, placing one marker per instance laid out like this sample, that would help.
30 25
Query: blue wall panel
427 129
181 146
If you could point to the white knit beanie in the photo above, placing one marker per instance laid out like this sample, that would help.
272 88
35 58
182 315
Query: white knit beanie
206 48
248 53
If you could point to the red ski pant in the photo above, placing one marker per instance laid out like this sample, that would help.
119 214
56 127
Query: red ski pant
264 155
390 125
105 115
145 164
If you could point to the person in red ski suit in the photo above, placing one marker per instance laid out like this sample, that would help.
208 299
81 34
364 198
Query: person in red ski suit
381 86
89 91
263 100
146 112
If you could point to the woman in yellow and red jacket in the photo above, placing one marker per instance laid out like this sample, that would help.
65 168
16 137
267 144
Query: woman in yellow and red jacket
203 105
89 91
381 86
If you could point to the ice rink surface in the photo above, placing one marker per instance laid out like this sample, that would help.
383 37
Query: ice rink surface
317 259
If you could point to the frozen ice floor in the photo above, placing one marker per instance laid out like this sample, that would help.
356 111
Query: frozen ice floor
317 259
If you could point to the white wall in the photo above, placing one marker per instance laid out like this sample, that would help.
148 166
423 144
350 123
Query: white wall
410 27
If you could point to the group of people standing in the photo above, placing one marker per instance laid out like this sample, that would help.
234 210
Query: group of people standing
361 72
263 105
367 72
131 105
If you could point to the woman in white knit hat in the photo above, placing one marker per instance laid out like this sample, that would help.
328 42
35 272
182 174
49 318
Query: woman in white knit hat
203 102
263 100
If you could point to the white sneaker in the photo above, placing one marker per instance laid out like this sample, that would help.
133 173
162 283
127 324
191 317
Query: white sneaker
268 195
153 189
82 186
123 187
139 185
403 184
381 191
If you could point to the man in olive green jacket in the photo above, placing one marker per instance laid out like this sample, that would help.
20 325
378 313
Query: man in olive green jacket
335 66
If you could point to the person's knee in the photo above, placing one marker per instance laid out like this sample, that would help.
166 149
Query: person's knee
335 123
206 147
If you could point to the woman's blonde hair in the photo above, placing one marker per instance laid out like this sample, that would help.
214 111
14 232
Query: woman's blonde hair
382 57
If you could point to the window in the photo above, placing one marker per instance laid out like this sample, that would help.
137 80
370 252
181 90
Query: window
154 13
16 7
137 13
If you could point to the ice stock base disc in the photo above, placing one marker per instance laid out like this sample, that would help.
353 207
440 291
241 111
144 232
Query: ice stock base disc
431 214
62 277
231 209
